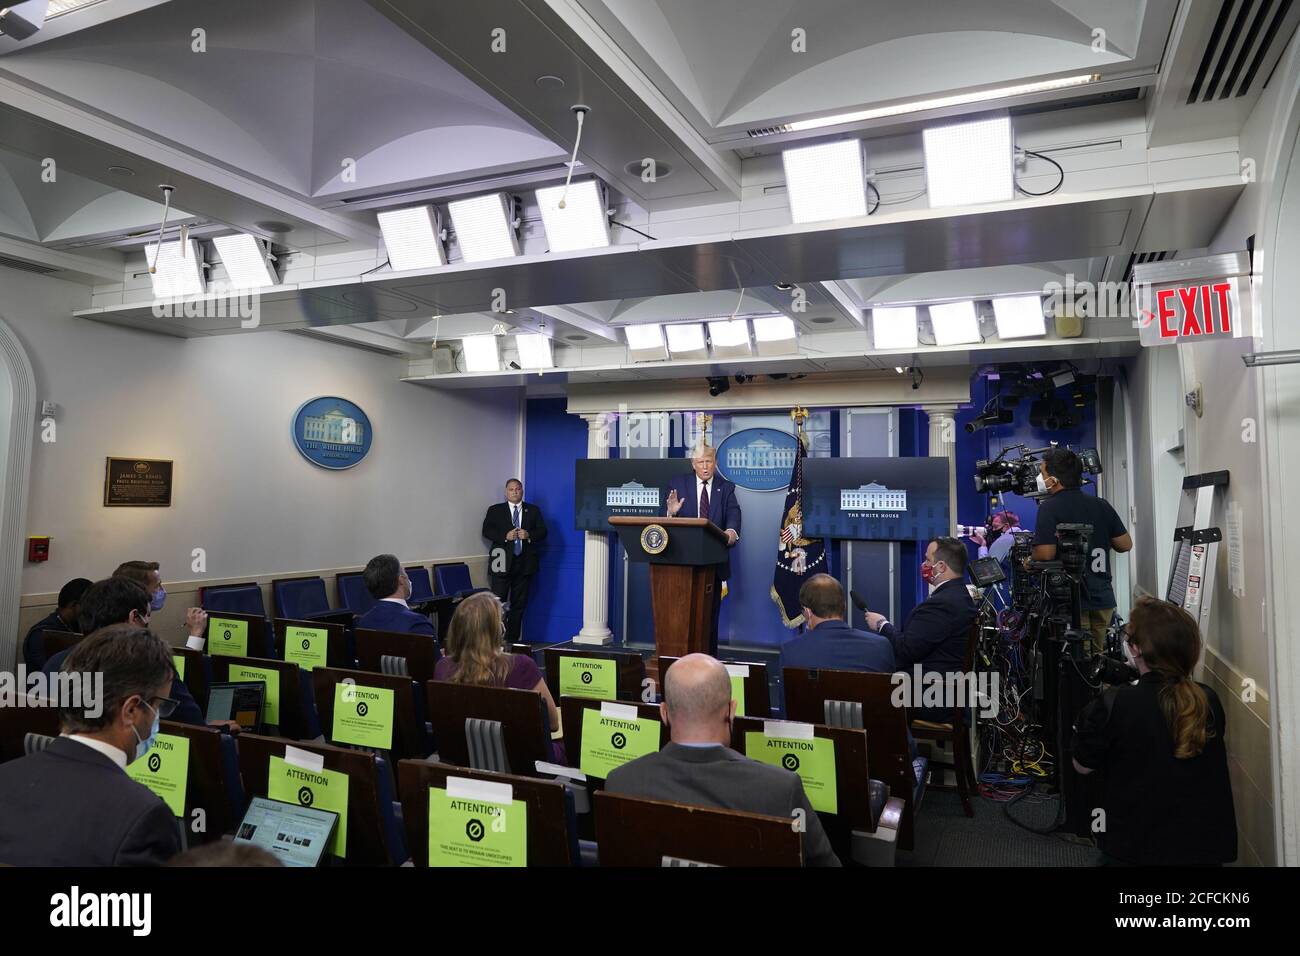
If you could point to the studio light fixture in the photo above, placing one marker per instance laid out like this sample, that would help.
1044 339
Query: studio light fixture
969 162
178 268
1019 316
412 238
686 341
954 323
645 343
940 102
825 181
247 261
583 223
534 350
485 227
718 385
894 327
482 353
775 335
730 338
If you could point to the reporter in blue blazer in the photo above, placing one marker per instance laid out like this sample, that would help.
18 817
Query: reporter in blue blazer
388 584
685 495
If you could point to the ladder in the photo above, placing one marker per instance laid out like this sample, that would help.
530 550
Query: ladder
1196 545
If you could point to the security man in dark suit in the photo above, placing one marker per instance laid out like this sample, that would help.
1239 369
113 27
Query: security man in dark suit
709 495
936 633
72 804
516 528
699 767
389 585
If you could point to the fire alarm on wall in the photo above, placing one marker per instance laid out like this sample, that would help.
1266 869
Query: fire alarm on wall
38 548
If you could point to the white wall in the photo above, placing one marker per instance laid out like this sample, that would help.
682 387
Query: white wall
221 408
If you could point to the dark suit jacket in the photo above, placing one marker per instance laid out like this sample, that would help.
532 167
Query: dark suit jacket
187 708
391 616
935 634
724 509
835 645
34 642
69 805
497 523
720 777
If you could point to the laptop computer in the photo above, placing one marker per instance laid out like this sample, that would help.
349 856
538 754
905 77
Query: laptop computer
296 836
241 702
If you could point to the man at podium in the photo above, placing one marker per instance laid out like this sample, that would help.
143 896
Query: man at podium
707 494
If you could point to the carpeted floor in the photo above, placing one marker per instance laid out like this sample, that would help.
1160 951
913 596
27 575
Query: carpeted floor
945 836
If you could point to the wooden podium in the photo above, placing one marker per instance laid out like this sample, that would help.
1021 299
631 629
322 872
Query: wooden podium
683 554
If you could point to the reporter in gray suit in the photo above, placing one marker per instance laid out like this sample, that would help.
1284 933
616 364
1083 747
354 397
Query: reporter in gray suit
699 767
72 804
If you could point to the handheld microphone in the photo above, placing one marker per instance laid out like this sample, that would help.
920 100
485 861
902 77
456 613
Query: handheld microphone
858 603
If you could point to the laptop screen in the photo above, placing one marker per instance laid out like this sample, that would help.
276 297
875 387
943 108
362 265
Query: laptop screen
240 702
297 836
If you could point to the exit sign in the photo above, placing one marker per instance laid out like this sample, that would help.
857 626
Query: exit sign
1193 300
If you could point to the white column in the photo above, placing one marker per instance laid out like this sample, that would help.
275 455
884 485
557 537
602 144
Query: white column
595 562
943 444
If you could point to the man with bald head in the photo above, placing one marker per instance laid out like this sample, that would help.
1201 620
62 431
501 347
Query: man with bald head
699 767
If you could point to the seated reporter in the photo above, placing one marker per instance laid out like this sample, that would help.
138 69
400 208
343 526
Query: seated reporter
119 600
72 804
1159 744
830 642
62 618
389 585
474 655
936 633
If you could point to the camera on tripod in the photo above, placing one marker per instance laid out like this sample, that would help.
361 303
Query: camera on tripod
1019 474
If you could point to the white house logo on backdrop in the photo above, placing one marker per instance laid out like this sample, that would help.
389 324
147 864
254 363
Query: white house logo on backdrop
332 432
872 497
759 459
632 494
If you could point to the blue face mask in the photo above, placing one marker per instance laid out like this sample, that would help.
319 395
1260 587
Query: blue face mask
142 746
158 599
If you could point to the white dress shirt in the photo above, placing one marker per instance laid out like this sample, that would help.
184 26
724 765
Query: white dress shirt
108 750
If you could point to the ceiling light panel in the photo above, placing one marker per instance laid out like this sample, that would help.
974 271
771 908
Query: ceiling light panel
485 227
534 350
482 353
969 163
1019 316
825 181
954 323
894 327
583 222
411 237
178 268
246 262
686 341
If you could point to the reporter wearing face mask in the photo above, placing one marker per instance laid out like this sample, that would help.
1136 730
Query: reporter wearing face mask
72 804
935 634
147 575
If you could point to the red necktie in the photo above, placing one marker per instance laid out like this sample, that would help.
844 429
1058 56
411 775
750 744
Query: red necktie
704 499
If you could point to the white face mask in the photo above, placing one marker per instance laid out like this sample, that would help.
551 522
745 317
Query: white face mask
1129 655
1042 485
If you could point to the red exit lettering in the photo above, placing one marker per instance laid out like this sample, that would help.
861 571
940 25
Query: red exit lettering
1197 312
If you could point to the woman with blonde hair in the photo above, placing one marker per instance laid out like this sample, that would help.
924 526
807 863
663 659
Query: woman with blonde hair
1159 744
474 653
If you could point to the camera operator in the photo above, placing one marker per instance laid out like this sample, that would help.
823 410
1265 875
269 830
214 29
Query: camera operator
1060 475
1000 538
1160 744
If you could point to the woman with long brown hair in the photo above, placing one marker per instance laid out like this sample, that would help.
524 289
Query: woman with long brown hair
474 653
1159 744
